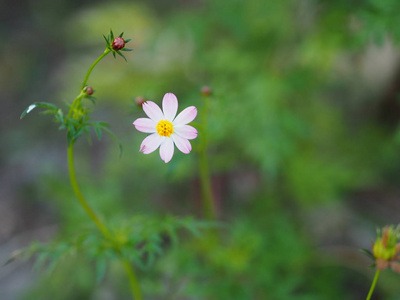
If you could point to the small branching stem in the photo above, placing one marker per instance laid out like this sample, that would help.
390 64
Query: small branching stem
74 104
371 290
82 93
205 180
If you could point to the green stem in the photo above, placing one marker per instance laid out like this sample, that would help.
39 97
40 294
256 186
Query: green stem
82 93
205 180
75 103
208 199
100 225
93 65
103 229
371 290
133 282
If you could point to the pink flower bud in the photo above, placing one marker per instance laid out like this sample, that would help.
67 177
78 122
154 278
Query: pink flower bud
140 100
206 91
88 90
118 43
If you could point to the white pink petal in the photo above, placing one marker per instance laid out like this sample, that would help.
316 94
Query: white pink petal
145 125
182 144
186 131
153 111
151 143
170 106
167 150
186 116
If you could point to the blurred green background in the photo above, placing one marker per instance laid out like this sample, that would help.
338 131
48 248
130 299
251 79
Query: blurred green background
303 135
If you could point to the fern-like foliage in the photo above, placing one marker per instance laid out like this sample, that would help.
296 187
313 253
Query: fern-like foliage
140 240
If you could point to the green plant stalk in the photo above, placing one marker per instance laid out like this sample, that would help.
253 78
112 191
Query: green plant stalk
74 183
205 180
208 199
371 290
134 285
106 51
82 93
75 103
133 282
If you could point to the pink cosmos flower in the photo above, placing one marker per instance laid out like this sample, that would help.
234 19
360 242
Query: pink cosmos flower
165 129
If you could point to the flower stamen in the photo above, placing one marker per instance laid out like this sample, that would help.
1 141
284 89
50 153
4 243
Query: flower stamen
165 128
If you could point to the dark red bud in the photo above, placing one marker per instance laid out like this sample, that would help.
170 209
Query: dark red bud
118 43
88 90
140 100
206 91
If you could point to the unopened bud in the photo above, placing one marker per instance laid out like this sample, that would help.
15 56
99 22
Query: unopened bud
88 90
206 91
118 43
386 247
140 100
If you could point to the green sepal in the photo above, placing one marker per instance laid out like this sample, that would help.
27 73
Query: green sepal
367 253
120 54
106 39
127 41
91 98
126 49
122 33
111 35
113 54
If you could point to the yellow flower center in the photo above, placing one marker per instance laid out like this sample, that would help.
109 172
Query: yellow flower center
165 128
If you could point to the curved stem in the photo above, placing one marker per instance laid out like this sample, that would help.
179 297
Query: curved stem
371 290
100 225
133 282
205 180
82 93
93 65
103 229
74 103
80 196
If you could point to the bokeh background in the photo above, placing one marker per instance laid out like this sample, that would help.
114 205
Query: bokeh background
304 142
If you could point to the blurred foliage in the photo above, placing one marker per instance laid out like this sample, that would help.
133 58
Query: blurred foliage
139 240
292 102
265 258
